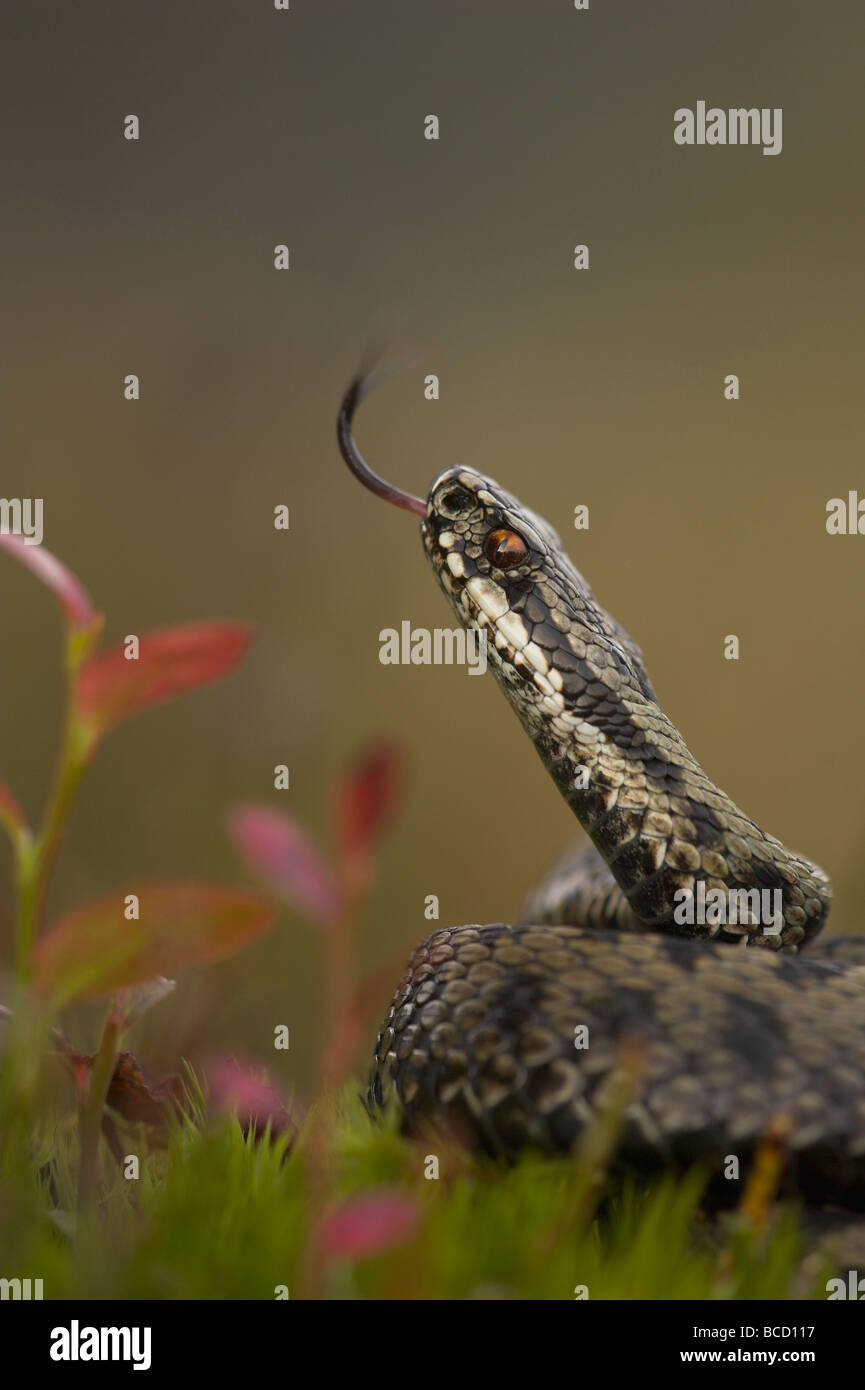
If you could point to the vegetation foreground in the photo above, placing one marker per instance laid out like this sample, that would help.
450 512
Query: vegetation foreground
219 1214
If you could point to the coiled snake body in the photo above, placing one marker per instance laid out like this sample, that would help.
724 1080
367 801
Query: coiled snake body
511 1033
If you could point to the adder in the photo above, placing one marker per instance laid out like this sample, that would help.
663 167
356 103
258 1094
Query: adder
512 1034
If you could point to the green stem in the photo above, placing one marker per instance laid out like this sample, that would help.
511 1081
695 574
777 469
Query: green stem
34 858
91 1111
27 889
33 885
20 1069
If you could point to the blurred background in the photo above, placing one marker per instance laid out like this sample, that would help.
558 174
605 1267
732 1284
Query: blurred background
602 387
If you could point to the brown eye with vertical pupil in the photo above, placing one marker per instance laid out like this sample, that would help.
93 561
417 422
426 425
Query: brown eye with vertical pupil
504 548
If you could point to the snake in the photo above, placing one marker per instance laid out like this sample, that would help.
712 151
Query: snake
515 1036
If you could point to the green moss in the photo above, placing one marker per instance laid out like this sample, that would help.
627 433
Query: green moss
216 1215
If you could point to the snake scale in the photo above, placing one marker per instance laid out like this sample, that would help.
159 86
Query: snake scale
511 1035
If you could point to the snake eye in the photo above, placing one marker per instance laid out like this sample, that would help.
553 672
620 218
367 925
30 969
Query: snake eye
504 548
456 501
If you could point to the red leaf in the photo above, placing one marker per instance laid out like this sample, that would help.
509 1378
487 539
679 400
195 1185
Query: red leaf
128 1005
96 950
276 847
141 1097
133 1091
367 798
74 598
111 687
370 1224
80 1064
10 812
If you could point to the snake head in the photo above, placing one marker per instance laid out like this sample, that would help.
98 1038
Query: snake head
506 573
495 561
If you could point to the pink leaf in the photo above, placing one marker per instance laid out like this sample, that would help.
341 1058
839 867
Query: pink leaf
74 598
370 1224
96 950
111 687
236 1089
367 798
277 848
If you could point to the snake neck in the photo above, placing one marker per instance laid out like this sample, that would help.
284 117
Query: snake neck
678 847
